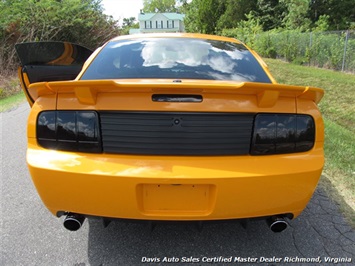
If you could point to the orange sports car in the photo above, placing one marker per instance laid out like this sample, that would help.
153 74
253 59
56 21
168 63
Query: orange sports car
168 127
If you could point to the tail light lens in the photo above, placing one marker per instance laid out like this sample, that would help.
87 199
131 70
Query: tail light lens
282 133
69 130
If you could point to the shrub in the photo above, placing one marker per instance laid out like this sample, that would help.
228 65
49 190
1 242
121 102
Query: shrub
321 49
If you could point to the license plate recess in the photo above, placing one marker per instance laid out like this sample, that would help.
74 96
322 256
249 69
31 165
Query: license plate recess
176 199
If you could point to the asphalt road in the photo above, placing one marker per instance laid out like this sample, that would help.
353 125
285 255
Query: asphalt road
30 235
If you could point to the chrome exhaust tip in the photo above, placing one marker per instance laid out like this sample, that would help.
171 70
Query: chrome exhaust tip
73 221
277 224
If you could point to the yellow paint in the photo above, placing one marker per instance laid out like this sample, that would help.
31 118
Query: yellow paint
175 187
227 186
179 199
268 98
24 82
85 95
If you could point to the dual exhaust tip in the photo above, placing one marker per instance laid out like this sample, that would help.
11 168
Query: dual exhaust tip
277 224
74 221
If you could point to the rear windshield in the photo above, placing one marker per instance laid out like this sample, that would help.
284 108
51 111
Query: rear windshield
175 58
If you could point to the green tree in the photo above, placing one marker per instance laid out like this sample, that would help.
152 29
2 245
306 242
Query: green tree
246 30
212 16
322 24
129 23
235 11
271 13
296 17
159 6
341 12
203 15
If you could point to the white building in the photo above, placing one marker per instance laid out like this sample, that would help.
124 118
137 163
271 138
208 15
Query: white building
159 22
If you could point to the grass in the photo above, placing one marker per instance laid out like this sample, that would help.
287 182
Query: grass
337 104
338 109
11 101
11 93
9 85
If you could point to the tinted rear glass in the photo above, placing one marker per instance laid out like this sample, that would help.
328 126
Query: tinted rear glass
176 58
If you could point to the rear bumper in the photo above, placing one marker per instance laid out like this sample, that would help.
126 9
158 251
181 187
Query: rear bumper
176 187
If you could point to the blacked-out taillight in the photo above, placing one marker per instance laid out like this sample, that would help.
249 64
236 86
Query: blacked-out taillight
69 130
282 133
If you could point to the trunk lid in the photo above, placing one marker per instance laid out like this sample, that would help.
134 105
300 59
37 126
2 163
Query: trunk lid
49 61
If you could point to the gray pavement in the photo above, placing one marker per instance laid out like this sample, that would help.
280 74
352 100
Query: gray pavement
30 235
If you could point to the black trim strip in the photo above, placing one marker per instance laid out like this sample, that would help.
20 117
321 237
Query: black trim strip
177 98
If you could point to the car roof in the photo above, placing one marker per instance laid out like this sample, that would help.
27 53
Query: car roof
175 35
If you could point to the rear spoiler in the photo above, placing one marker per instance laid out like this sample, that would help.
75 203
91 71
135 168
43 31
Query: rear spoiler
87 90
